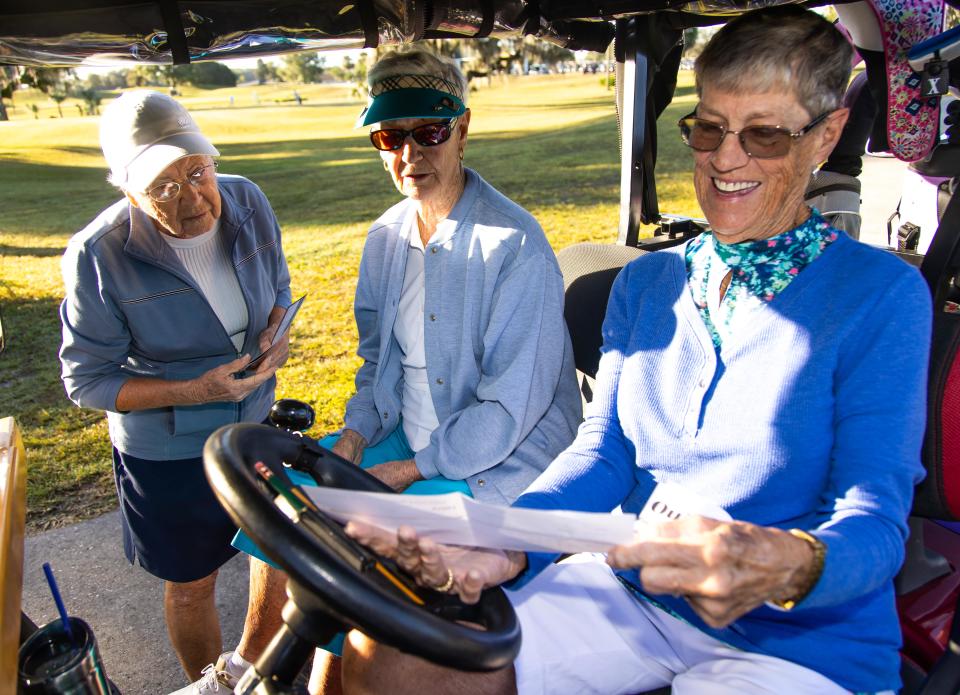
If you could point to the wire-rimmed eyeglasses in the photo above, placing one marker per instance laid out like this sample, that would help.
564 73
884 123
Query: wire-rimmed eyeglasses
169 190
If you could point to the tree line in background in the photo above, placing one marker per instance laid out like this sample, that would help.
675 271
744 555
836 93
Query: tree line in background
61 83
478 58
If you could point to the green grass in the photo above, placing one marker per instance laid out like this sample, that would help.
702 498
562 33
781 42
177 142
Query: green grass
547 142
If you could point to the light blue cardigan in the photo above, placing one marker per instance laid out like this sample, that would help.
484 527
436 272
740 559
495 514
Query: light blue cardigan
499 358
132 310
813 418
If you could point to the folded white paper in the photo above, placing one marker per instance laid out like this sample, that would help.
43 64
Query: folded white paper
459 520
671 501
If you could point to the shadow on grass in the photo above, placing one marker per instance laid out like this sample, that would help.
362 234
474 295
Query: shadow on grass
81 149
37 251
67 449
51 199
340 181
29 366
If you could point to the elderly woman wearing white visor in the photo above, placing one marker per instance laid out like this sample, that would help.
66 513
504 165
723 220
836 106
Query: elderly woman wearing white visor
168 293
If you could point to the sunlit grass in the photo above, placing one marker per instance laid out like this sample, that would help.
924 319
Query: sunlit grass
548 142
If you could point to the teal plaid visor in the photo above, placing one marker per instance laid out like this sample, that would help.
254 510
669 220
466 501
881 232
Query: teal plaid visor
411 96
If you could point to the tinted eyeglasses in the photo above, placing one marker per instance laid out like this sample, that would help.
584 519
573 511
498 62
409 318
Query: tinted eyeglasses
170 190
760 141
428 135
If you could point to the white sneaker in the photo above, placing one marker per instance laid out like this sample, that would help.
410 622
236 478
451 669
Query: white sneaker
216 679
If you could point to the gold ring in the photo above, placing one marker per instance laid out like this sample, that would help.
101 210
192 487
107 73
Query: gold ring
447 585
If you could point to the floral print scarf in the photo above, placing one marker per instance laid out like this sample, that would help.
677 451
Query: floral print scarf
761 268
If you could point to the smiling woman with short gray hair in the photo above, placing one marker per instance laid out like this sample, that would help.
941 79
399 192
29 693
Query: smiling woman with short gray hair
750 366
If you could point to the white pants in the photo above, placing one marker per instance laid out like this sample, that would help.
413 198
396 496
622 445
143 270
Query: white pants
584 632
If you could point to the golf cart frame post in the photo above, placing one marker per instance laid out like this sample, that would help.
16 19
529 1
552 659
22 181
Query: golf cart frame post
648 49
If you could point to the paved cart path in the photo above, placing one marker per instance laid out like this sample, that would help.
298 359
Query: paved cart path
123 604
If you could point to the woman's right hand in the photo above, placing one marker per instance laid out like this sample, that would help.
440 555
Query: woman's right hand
433 565
350 446
216 385
219 384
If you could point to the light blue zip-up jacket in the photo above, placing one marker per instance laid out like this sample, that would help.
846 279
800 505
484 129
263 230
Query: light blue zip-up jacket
132 310
499 359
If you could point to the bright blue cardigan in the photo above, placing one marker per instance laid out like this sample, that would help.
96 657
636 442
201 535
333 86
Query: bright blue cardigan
812 420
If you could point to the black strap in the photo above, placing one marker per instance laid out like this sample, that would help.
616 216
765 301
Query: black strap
529 18
176 37
368 20
943 254
486 25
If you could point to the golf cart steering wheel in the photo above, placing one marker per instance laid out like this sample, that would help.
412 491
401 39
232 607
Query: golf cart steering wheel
354 597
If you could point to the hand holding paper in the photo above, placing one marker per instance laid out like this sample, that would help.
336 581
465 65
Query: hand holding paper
451 568
458 520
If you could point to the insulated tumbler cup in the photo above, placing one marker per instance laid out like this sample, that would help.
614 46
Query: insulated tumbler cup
49 662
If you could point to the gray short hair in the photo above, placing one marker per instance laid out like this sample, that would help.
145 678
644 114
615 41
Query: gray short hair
417 60
783 47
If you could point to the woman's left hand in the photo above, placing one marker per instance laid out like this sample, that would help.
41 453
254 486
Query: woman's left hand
397 474
723 569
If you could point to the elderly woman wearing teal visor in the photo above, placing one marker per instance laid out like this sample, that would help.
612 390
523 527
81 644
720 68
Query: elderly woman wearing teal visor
467 383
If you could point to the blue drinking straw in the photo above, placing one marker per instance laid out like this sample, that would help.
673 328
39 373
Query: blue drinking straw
59 601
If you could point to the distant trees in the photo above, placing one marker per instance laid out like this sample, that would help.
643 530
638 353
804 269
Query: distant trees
542 52
354 72
208 75
8 81
694 40
91 99
266 72
303 67
205 74
500 55
59 96
110 81
487 54
46 80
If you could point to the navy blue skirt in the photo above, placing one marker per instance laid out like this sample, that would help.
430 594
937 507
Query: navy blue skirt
173 524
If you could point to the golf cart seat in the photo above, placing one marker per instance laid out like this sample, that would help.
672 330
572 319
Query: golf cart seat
588 273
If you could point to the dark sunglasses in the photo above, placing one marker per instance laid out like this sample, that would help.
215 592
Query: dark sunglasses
760 141
429 135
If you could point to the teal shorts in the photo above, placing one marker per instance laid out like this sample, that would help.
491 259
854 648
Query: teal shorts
394 448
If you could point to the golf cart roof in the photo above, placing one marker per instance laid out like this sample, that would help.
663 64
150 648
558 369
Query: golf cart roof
104 32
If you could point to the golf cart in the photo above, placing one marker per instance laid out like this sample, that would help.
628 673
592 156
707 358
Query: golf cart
334 583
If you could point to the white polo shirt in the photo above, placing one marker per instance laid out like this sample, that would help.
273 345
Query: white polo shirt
419 415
